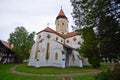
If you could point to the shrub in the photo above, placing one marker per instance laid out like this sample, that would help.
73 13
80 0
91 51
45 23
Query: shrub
116 71
110 74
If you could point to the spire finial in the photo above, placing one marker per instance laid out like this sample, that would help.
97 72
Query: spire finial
47 24
61 6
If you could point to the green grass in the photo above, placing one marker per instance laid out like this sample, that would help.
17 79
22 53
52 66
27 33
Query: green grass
51 70
85 77
6 75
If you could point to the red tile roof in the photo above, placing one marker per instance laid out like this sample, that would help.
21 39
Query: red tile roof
51 31
71 34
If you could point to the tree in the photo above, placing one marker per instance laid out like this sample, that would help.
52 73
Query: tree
89 47
22 41
104 16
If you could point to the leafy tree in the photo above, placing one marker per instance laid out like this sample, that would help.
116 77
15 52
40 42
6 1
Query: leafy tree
89 47
104 16
22 41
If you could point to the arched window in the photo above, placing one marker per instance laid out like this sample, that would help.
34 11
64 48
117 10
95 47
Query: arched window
56 56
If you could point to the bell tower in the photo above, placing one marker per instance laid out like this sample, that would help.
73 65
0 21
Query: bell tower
61 23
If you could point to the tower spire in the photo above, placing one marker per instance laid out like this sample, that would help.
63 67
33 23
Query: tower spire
61 23
61 14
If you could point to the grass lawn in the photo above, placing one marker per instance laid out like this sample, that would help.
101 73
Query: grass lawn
6 75
51 70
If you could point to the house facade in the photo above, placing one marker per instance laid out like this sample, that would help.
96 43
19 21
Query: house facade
6 54
56 48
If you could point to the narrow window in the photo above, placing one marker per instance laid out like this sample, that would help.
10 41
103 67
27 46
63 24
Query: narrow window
73 58
56 56
37 47
48 51
56 38
39 36
79 43
61 40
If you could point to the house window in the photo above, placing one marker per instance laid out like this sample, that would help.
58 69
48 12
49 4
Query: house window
48 36
39 36
63 52
74 39
56 56
48 51
37 59
62 23
73 58
56 38
61 40
67 41
37 47
79 43
38 50
63 59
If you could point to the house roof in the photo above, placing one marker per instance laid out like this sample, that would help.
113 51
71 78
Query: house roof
61 14
71 34
68 35
6 44
51 31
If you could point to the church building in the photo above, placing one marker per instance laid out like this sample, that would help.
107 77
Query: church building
56 48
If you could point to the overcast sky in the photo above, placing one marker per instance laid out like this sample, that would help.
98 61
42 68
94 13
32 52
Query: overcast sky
34 15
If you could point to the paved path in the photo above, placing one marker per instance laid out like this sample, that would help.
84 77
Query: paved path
12 70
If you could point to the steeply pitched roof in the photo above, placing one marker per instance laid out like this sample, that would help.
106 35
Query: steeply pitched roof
6 44
61 15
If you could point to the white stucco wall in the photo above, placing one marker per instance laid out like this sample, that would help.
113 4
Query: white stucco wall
74 43
55 46
77 59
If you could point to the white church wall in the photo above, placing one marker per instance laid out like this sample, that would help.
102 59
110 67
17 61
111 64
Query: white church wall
54 48
74 41
32 56
75 59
